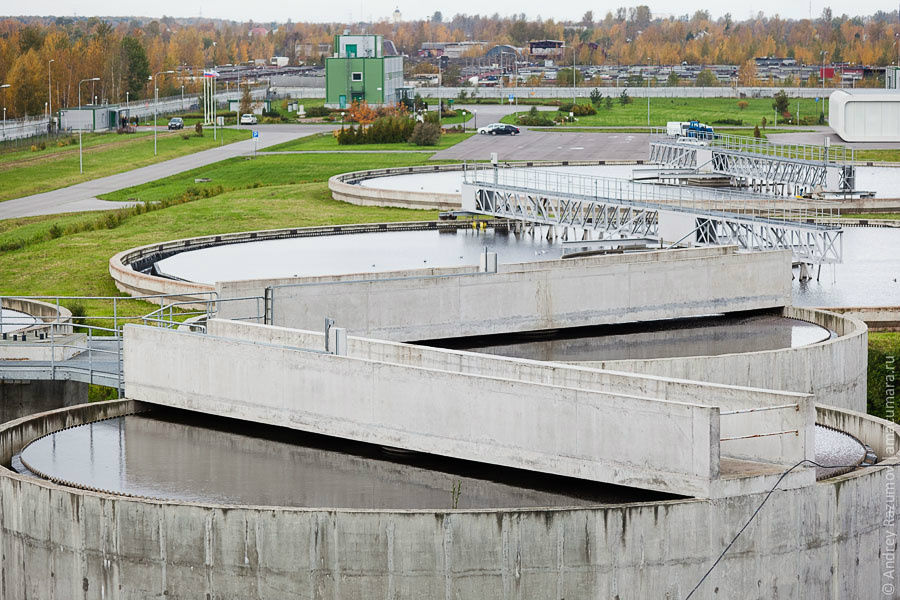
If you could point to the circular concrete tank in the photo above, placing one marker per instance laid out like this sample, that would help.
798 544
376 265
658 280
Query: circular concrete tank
110 546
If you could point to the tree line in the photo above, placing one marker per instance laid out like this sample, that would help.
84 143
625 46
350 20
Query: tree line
125 53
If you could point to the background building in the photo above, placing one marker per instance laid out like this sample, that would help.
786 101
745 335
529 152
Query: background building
359 71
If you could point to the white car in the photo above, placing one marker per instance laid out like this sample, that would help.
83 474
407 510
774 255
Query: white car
498 129
248 119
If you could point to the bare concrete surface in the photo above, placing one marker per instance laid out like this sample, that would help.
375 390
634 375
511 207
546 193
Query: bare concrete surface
83 196
550 145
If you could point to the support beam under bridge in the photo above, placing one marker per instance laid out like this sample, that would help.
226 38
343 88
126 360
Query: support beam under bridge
598 207
796 168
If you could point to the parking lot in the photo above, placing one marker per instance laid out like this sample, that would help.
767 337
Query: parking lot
550 145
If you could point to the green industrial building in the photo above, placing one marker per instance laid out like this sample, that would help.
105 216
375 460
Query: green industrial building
359 71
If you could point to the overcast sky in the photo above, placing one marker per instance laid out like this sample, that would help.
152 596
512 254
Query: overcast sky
351 10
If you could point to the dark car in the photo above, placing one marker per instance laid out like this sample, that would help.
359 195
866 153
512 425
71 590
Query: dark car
176 123
499 129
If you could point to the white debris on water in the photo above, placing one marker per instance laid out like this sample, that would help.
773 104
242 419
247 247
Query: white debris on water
836 449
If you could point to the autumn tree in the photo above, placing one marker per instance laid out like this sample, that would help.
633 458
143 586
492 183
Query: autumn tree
747 72
362 113
706 78
246 105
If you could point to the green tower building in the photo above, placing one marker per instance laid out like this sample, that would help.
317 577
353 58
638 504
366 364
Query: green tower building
359 71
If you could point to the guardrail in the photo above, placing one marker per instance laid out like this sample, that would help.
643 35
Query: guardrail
73 349
653 195
837 154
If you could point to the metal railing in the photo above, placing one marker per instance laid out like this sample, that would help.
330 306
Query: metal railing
653 195
71 348
836 154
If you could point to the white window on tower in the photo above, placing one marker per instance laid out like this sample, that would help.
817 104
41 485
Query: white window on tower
356 76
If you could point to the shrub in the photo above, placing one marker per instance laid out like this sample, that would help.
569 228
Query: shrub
609 102
743 104
737 122
34 148
185 136
318 111
78 314
198 129
624 98
756 132
55 231
384 130
596 97
425 134
534 118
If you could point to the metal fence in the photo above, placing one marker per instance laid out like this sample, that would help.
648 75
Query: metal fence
92 353
546 181
836 154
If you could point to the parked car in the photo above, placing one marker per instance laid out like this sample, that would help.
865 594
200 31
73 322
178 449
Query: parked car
176 123
248 119
498 129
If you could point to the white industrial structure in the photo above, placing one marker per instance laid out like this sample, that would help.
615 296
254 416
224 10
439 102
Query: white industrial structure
865 117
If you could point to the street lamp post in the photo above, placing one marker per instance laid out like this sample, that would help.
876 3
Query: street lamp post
648 93
3 87
156 104
49 98
80 126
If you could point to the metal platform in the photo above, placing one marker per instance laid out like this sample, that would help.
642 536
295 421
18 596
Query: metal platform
586 207
793 169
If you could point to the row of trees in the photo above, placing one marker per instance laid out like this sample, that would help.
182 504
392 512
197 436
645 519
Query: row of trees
125 52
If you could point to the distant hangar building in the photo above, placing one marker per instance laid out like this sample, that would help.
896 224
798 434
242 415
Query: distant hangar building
865 116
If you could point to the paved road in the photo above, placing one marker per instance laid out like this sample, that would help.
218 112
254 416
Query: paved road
549 145
83 196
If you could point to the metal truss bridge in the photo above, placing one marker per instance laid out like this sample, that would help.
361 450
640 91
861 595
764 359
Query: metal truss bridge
795 169
591 208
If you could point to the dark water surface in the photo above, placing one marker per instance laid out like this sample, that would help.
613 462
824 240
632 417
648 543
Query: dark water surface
183 456
662 339
869 275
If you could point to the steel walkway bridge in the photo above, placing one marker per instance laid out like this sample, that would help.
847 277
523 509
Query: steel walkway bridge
591 208
92 354
792 169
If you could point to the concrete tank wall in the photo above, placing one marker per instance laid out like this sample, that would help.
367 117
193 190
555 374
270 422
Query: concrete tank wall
795 412
544 295
21 398
833 371
593 435
826 540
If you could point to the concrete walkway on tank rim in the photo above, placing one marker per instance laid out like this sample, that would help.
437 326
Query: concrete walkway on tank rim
82 197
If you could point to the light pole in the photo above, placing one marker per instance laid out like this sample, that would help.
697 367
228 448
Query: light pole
80 125
49 98
156 105
3 87
474 117
648 93
824 53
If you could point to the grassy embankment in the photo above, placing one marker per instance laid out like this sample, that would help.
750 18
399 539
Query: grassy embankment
26 173
884 373
69 254
663 110
327 141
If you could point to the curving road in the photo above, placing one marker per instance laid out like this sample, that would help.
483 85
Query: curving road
83 196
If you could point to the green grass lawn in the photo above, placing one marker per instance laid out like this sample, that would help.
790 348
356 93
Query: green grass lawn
69 254
663 110
113 154
327 141
884 360
262 171
880 155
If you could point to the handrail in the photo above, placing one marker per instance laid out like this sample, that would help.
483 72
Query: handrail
654 196
836 154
